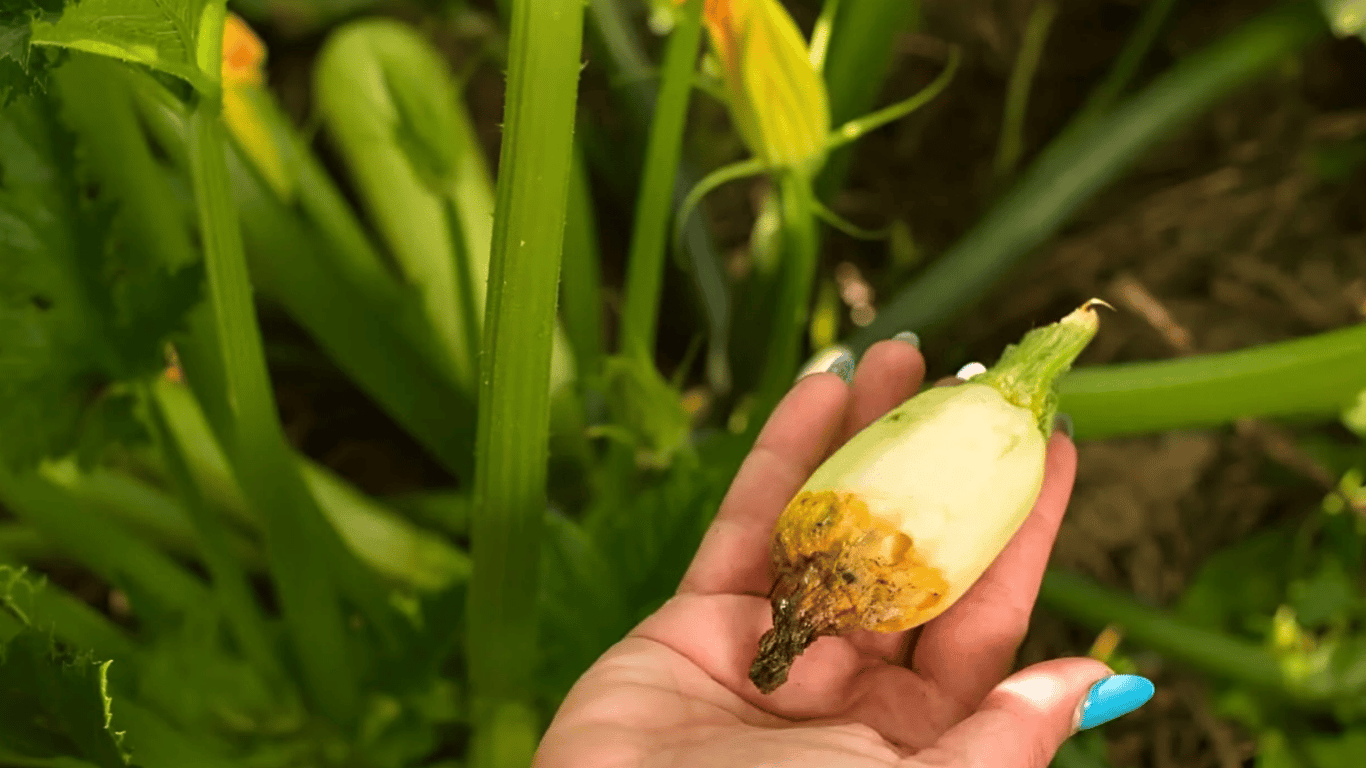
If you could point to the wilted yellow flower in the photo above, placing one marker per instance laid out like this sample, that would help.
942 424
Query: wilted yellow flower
778 99
244 57
243 53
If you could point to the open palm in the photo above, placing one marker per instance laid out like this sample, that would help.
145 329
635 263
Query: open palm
676 691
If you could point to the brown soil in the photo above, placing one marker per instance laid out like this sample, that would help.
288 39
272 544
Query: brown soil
1227 235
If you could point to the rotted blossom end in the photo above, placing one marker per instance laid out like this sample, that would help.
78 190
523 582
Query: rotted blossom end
840 569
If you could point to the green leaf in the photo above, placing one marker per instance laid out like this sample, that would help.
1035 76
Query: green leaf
652 534
1337 751
53 701
1324 596
581 605
1239 587
22 71
81 308
162 34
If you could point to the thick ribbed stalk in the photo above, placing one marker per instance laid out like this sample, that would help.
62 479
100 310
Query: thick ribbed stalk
514 404
295 530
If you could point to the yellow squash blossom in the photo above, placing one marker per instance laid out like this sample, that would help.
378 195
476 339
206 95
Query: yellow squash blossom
778 99
244 58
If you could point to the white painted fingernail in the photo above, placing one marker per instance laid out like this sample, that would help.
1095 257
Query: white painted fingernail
970 370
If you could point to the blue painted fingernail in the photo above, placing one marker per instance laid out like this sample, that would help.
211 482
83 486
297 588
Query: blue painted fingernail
1114 697
910 337
838 360
1063 423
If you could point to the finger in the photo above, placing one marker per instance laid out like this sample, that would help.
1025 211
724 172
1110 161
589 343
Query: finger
734 555
889 373
968 649
1024 720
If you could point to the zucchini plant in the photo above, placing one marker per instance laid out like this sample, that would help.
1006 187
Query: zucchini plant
255 608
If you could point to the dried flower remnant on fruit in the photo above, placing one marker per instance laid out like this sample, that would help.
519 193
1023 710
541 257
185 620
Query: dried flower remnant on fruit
840 569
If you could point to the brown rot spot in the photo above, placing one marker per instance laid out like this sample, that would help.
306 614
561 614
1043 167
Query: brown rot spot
894 417
839 568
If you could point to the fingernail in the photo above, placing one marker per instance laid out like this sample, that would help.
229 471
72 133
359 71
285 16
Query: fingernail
838 360
1113 697
910 337
970 370
1063 423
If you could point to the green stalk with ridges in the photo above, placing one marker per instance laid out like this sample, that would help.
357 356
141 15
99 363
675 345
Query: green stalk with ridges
1313 376
295 530
514 396
294 262
581 278
650 236
243 614
1011 144
102 545
1230 658
862 47
1126 65
801 252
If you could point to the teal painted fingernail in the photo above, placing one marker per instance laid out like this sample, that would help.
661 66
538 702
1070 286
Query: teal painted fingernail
1063 423
910 337
838 360
1114 697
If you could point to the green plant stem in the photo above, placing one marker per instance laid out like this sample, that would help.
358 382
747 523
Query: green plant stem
1011 144
387 101
147 510
158 584
634 80
379 342
234 592
1126 65
581 279
23 543
514 404
650 235
1095 607
862 48
801 251
1081 161
1314 376
295 532
382 343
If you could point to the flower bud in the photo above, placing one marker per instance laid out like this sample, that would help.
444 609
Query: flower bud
777 99
244 57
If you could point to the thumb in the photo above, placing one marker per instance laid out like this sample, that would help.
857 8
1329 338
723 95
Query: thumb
1022 722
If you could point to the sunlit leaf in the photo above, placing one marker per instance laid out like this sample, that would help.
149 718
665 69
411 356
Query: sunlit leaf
163 34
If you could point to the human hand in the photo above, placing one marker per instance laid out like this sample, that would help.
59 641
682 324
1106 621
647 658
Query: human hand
676 691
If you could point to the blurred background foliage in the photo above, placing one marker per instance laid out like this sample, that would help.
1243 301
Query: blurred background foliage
306 520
